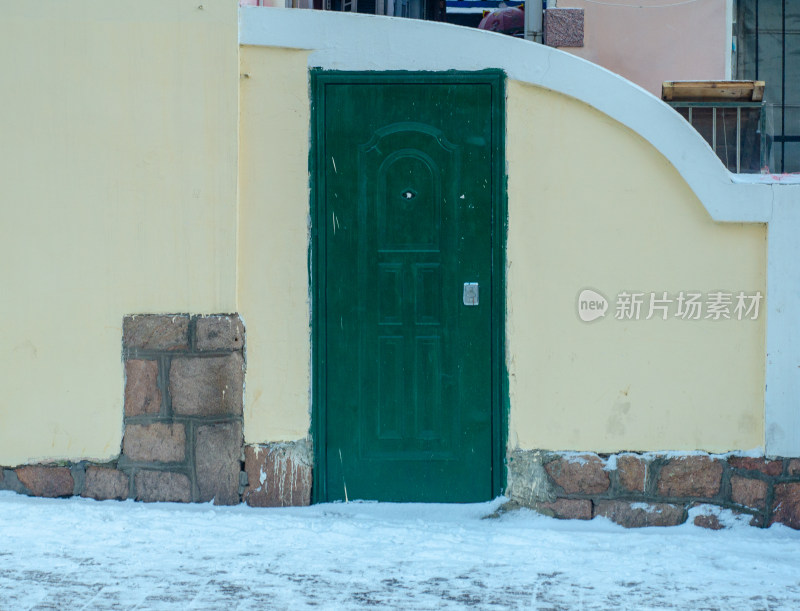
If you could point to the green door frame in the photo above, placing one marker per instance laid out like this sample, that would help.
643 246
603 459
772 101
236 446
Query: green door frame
317 262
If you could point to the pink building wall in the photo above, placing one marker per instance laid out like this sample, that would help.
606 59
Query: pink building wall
656 43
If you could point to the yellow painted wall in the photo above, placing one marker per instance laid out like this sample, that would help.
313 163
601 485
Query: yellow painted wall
273 254
593 205
117 195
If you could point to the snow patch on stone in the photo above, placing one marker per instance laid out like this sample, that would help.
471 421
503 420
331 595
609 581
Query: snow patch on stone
726 517
578 458
646 507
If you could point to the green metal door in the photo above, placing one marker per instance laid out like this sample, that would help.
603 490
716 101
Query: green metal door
407 190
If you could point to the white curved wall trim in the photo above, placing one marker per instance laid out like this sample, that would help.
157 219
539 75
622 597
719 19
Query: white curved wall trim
340 41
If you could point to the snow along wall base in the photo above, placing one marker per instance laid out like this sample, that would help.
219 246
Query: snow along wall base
655 489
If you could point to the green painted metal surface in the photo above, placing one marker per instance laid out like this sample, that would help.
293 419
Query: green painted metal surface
406 217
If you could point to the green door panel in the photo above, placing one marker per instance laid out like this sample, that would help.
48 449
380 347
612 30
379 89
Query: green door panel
405 209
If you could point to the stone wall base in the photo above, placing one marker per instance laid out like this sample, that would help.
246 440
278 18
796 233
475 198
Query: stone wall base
274 475
656 489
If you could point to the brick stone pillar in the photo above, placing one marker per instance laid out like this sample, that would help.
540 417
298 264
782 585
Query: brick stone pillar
183 408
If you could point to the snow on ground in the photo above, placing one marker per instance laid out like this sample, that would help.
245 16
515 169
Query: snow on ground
83 554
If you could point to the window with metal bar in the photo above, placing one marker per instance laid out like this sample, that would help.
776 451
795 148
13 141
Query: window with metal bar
768 49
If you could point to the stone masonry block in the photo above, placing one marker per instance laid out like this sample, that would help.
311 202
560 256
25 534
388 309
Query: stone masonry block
772 468
634 515
794 467
219 333
528 482
10 481
632 472
748 492
278 475
786 505
563 27
103 483
690 476
579 475
756 520
218 449
710 522
47 481
568 509
142 395
157 442
208 386
163 486
156 332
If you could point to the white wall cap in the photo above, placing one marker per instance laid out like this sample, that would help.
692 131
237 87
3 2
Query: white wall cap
346 41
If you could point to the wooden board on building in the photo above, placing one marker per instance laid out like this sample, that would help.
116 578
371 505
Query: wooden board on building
712 91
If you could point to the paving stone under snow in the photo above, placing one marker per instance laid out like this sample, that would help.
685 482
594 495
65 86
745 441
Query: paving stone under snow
84 554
